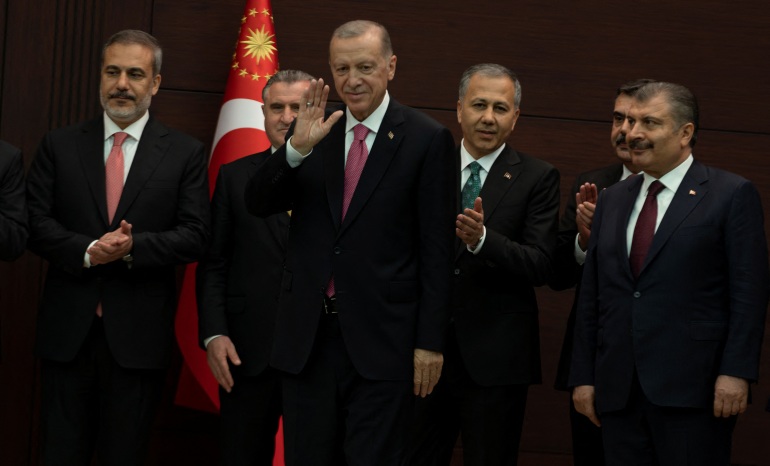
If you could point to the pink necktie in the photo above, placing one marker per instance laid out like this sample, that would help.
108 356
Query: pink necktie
353 167
644 230
114 174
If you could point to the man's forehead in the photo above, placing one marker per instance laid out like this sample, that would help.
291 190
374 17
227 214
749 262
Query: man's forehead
654 106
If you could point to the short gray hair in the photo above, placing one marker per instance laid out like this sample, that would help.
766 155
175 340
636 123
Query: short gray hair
490 70
285 76
359 27
135 36
684 105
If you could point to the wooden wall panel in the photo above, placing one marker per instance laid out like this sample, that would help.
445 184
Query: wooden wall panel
570 57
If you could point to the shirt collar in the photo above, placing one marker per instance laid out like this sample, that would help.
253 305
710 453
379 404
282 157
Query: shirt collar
373 121
486 161
134 130
672 179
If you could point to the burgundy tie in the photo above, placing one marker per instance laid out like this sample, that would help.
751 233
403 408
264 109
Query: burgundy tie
114 170
645 228
354 165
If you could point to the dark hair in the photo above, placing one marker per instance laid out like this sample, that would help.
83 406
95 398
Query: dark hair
684 105
134 36
285 76
631 87
492 70
359 27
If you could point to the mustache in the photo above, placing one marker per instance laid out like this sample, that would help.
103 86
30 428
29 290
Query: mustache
621 139
122 95
639 144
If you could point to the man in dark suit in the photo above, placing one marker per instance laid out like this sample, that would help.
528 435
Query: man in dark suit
238 284
672 307
508 205
112 221
365 289
574 232
13 206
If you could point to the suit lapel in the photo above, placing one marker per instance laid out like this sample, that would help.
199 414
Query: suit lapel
334 168
690 192
381 153
149 153
90 146
626 206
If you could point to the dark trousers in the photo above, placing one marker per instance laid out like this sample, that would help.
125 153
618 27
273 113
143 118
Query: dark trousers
587 446
93 404
488 419
646 434
335 417
249 419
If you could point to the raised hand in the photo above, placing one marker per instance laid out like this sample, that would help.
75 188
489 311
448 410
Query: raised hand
310 127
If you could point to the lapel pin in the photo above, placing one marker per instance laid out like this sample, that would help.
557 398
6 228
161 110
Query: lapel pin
507 176
692 192
390 135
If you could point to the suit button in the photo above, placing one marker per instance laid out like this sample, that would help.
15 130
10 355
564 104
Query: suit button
337 250
637 294
457 271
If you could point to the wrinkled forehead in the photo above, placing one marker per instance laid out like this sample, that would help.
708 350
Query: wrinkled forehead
656 106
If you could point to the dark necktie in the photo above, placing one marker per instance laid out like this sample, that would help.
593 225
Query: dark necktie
645 228
472 186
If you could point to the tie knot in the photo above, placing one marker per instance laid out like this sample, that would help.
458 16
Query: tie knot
360 132
119 139
475 167
655 188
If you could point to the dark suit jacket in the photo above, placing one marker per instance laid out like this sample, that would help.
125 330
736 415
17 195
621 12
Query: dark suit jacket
390 257
165 198
567 272
698 307
13 206
240 278
494 304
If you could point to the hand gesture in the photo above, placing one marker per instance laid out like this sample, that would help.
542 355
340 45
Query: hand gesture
586 199
309 126
469 226
113 245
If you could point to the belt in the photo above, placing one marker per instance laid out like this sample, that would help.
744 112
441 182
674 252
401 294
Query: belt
330 305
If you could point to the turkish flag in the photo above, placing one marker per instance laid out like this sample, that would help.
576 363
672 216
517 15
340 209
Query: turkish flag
240 132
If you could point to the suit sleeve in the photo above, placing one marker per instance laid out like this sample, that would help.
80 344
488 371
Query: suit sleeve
185 242
434 208
587 314
271 189
531 258
13 207
49 238
746 247
211 280
566 269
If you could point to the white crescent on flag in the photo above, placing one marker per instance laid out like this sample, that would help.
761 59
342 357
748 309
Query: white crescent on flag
236 114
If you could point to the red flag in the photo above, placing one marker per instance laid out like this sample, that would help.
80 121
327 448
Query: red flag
240 132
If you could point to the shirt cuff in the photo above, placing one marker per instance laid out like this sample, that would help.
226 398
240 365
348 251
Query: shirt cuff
209 340
294 158
87 257
478 246
580 255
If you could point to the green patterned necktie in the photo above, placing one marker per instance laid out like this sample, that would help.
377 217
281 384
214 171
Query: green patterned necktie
472 186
